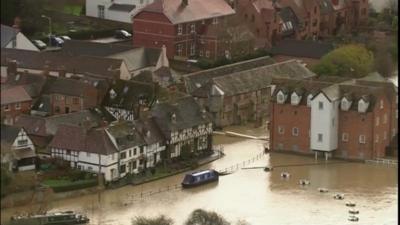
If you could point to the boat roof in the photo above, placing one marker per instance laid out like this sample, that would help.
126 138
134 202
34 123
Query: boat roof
202 172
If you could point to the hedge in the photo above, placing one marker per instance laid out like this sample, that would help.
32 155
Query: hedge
67 185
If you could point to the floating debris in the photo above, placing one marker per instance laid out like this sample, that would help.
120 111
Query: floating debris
350 204
322 190
354 211
338 196
304 182
267 169
353 218
285 175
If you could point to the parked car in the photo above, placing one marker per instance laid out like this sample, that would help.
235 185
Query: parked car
65 38
56 41
39 44
122 34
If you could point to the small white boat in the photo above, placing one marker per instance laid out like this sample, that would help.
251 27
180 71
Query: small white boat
338 196
350 204
322 190
353 218
354 211
285 175
304 182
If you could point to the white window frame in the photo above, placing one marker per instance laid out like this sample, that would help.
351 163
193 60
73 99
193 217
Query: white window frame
281 130
17 106
201 53
320 139
215 20
180 28
295 131
179 49
381 104
345 137
101 11
193 28
192 49
7 107
361 139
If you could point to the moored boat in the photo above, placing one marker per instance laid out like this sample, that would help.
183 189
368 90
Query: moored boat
354 211
199 178
350 204
338 196
56 218
322 190
353 218
304 182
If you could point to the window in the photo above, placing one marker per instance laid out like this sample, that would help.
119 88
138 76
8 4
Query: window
245 16
122 155
130 153
141 151
193 28
68 152
315 10
22 142
345 137
192 49
57 109
295 131
122 168
179 49
201 53
134 151
75 101
281 130
377 121
17 105
134 165
208 54
320 136
393 132
90 168
7 108
381 104
361 139
377 138
100 12
280 98
384 135
215 21
320 105
179 29
385 118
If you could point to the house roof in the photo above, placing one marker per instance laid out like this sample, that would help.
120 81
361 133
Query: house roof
138 58
9 133
187 113
78 47
261 77
56 61
149 130
93 141
301 48
7 34
122 7
66 86
32 83
195 10
288 16
125 134
197 79
128 93
14 94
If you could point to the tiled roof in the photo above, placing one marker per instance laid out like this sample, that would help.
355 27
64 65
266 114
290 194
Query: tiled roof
7 34
122 7
301 48
9 133
78 47
14 94
197 79
32 83
187 113
66 86
149 130
125 134
138 58
195 10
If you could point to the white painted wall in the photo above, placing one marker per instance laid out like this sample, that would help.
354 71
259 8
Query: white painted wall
23 42
21 137
124 72
321 123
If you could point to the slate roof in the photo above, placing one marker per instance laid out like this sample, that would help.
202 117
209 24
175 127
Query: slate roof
65 86
197 79
89 65
196 10
78 47
138 58
145 76
7 34
149 130
14 94
301 48
261 77
187 113
9 133
32 83
126 135
42 105
93 141
128 94
122 7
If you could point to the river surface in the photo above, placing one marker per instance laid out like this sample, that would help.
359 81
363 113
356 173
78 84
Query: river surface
259 197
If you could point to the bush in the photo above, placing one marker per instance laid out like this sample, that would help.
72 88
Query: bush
67 185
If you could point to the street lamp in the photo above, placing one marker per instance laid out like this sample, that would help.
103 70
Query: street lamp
43 16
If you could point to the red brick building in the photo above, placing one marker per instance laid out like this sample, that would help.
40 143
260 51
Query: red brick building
14 101
366 113
182 26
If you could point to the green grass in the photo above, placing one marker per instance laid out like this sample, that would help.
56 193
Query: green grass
62 185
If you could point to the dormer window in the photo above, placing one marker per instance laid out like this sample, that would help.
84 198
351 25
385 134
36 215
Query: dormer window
281 97
345 104
362 106
309 97
295 99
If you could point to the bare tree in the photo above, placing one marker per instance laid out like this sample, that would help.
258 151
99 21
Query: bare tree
203 217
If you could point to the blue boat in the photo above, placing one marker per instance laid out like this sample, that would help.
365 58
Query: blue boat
199 178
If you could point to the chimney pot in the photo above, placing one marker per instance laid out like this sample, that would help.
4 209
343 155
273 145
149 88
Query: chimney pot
185 2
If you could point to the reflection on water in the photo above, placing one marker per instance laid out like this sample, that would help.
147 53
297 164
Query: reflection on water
259 197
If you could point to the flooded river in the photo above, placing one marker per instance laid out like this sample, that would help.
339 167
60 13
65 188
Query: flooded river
259 197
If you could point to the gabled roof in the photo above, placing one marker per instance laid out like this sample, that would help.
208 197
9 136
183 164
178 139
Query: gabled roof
125 134
122 7
14 94
187 113
7 34
32 83
9 133
197 79
195 10
301 48
149 130
138 58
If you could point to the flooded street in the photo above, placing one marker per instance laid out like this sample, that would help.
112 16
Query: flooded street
256 196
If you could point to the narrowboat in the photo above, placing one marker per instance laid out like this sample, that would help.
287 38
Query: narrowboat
338 196
353 218
354 211
56 218
322 190
350 204
199 178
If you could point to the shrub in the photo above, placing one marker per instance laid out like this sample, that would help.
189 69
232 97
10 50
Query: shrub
67 185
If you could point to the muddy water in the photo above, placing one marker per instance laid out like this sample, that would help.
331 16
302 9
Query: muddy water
260 198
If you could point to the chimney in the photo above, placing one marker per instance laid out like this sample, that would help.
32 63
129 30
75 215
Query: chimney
162 59
335 2
12 67
185 2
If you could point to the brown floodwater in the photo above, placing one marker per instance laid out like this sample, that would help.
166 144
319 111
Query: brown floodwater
259 197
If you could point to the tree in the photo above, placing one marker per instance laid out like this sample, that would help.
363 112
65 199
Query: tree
202 217
160 220
349 60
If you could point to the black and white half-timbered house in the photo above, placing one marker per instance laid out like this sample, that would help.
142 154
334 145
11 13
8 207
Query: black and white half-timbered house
185 126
